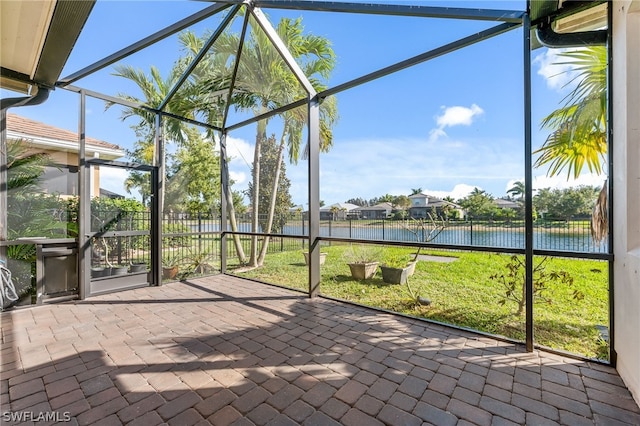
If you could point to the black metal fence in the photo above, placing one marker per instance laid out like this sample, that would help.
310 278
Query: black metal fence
573 236
193 240
120 237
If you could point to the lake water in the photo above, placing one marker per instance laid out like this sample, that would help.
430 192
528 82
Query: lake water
465 236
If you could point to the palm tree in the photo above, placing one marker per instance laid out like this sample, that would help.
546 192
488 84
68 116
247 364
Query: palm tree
269 78
154 89
209 82
24 169
294 123
578 129
334 212
264 82
415 191
478 192
517 190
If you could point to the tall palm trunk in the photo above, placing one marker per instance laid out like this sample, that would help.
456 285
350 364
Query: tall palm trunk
255 202
231 212
599 216
272 201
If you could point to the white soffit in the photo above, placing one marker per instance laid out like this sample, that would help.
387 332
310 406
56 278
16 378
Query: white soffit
590 19
23 30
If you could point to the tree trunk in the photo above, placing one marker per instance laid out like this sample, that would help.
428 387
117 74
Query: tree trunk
272 204
253 259
234 227
599 216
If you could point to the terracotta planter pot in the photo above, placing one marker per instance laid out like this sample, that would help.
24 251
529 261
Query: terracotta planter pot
169 273
363 271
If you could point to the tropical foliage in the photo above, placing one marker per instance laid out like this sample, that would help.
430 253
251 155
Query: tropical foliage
517 190
30 210
578 128
478 204
565 203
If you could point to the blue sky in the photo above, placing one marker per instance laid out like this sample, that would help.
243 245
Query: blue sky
446 126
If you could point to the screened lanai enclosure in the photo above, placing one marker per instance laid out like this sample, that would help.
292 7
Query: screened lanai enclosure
285 142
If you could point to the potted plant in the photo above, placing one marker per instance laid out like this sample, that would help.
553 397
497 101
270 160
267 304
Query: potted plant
99 271
323 257
362 261
199 262
170 265
395 269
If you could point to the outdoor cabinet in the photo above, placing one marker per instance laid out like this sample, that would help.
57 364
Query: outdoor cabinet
56 269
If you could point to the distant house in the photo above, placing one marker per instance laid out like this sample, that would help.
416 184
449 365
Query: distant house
506 204
338 211
422 204
105 193
62 148
296 209
379 211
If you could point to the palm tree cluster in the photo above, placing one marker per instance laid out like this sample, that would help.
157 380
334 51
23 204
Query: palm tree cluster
244 71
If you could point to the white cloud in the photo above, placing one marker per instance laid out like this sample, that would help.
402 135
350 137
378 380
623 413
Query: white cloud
368 168
240 154
239 151
454 116
112 179
435 134
458 115
553 70
561 182
459 191
238 178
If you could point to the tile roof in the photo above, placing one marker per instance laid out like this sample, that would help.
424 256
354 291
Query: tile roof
37 129
381 206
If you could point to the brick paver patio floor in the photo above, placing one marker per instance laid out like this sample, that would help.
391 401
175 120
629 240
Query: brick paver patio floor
224 350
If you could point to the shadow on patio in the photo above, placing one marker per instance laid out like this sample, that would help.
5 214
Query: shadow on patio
222 350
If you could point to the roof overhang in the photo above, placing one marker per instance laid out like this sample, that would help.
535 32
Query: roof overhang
568 16
37 37
574 13
59 145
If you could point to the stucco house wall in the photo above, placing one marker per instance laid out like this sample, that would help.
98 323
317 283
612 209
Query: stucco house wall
62 148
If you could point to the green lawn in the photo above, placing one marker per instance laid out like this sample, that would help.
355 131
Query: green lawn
463 294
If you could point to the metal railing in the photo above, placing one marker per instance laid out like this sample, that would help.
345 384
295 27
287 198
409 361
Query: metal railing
124 237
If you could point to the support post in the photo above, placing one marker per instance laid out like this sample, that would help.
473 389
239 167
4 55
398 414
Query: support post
84 205
157 202
314 196
613 355
224 194
528 184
